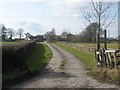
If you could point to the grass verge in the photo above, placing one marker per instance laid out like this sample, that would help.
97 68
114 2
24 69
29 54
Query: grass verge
39 57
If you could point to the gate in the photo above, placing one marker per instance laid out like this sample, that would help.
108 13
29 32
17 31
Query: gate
108 58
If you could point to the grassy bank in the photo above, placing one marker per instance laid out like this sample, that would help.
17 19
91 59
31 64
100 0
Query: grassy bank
40 56
86 57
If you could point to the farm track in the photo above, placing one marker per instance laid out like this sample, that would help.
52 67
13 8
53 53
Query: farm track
63 71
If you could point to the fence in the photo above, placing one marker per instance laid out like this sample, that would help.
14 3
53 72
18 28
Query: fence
106 58
80 47
84 48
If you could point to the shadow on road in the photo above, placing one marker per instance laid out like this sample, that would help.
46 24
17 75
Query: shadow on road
48 73
42 74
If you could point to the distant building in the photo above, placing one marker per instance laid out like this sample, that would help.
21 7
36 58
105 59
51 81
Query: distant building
64 35
70 37
39 38
28 36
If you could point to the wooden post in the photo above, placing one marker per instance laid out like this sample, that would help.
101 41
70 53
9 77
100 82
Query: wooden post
105 46
105 39
98 46
98 41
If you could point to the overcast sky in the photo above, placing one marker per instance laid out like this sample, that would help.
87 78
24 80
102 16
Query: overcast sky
40 16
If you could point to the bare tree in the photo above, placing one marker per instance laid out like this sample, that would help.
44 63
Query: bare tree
3 32
20 32
51 36
11 33
99 12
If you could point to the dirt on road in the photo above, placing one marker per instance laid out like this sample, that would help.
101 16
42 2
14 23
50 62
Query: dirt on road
63 71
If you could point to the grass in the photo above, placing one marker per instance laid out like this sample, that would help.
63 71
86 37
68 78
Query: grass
106 75
39 57
11 43
86 57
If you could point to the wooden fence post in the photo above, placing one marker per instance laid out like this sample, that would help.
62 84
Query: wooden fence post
105 39
98 46
105 45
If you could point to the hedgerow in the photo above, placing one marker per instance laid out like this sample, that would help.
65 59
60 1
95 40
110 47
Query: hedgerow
13 56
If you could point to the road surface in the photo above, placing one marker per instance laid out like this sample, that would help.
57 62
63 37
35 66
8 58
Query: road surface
63 71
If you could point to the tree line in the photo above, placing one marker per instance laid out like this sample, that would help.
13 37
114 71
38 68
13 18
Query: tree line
88 35
8 33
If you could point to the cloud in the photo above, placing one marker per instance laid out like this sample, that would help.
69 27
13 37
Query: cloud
64 8
43 8
25 0
56 0
67 7
33 27
22 23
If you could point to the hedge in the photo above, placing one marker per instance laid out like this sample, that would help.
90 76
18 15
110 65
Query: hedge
13 56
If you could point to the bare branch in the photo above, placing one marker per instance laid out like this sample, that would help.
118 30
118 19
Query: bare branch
86 15
99 12
111 20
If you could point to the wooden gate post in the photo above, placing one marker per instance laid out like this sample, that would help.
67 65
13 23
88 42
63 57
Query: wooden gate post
98 47
105 46
98 41
105 39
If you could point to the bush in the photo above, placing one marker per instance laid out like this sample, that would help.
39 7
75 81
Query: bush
13 56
